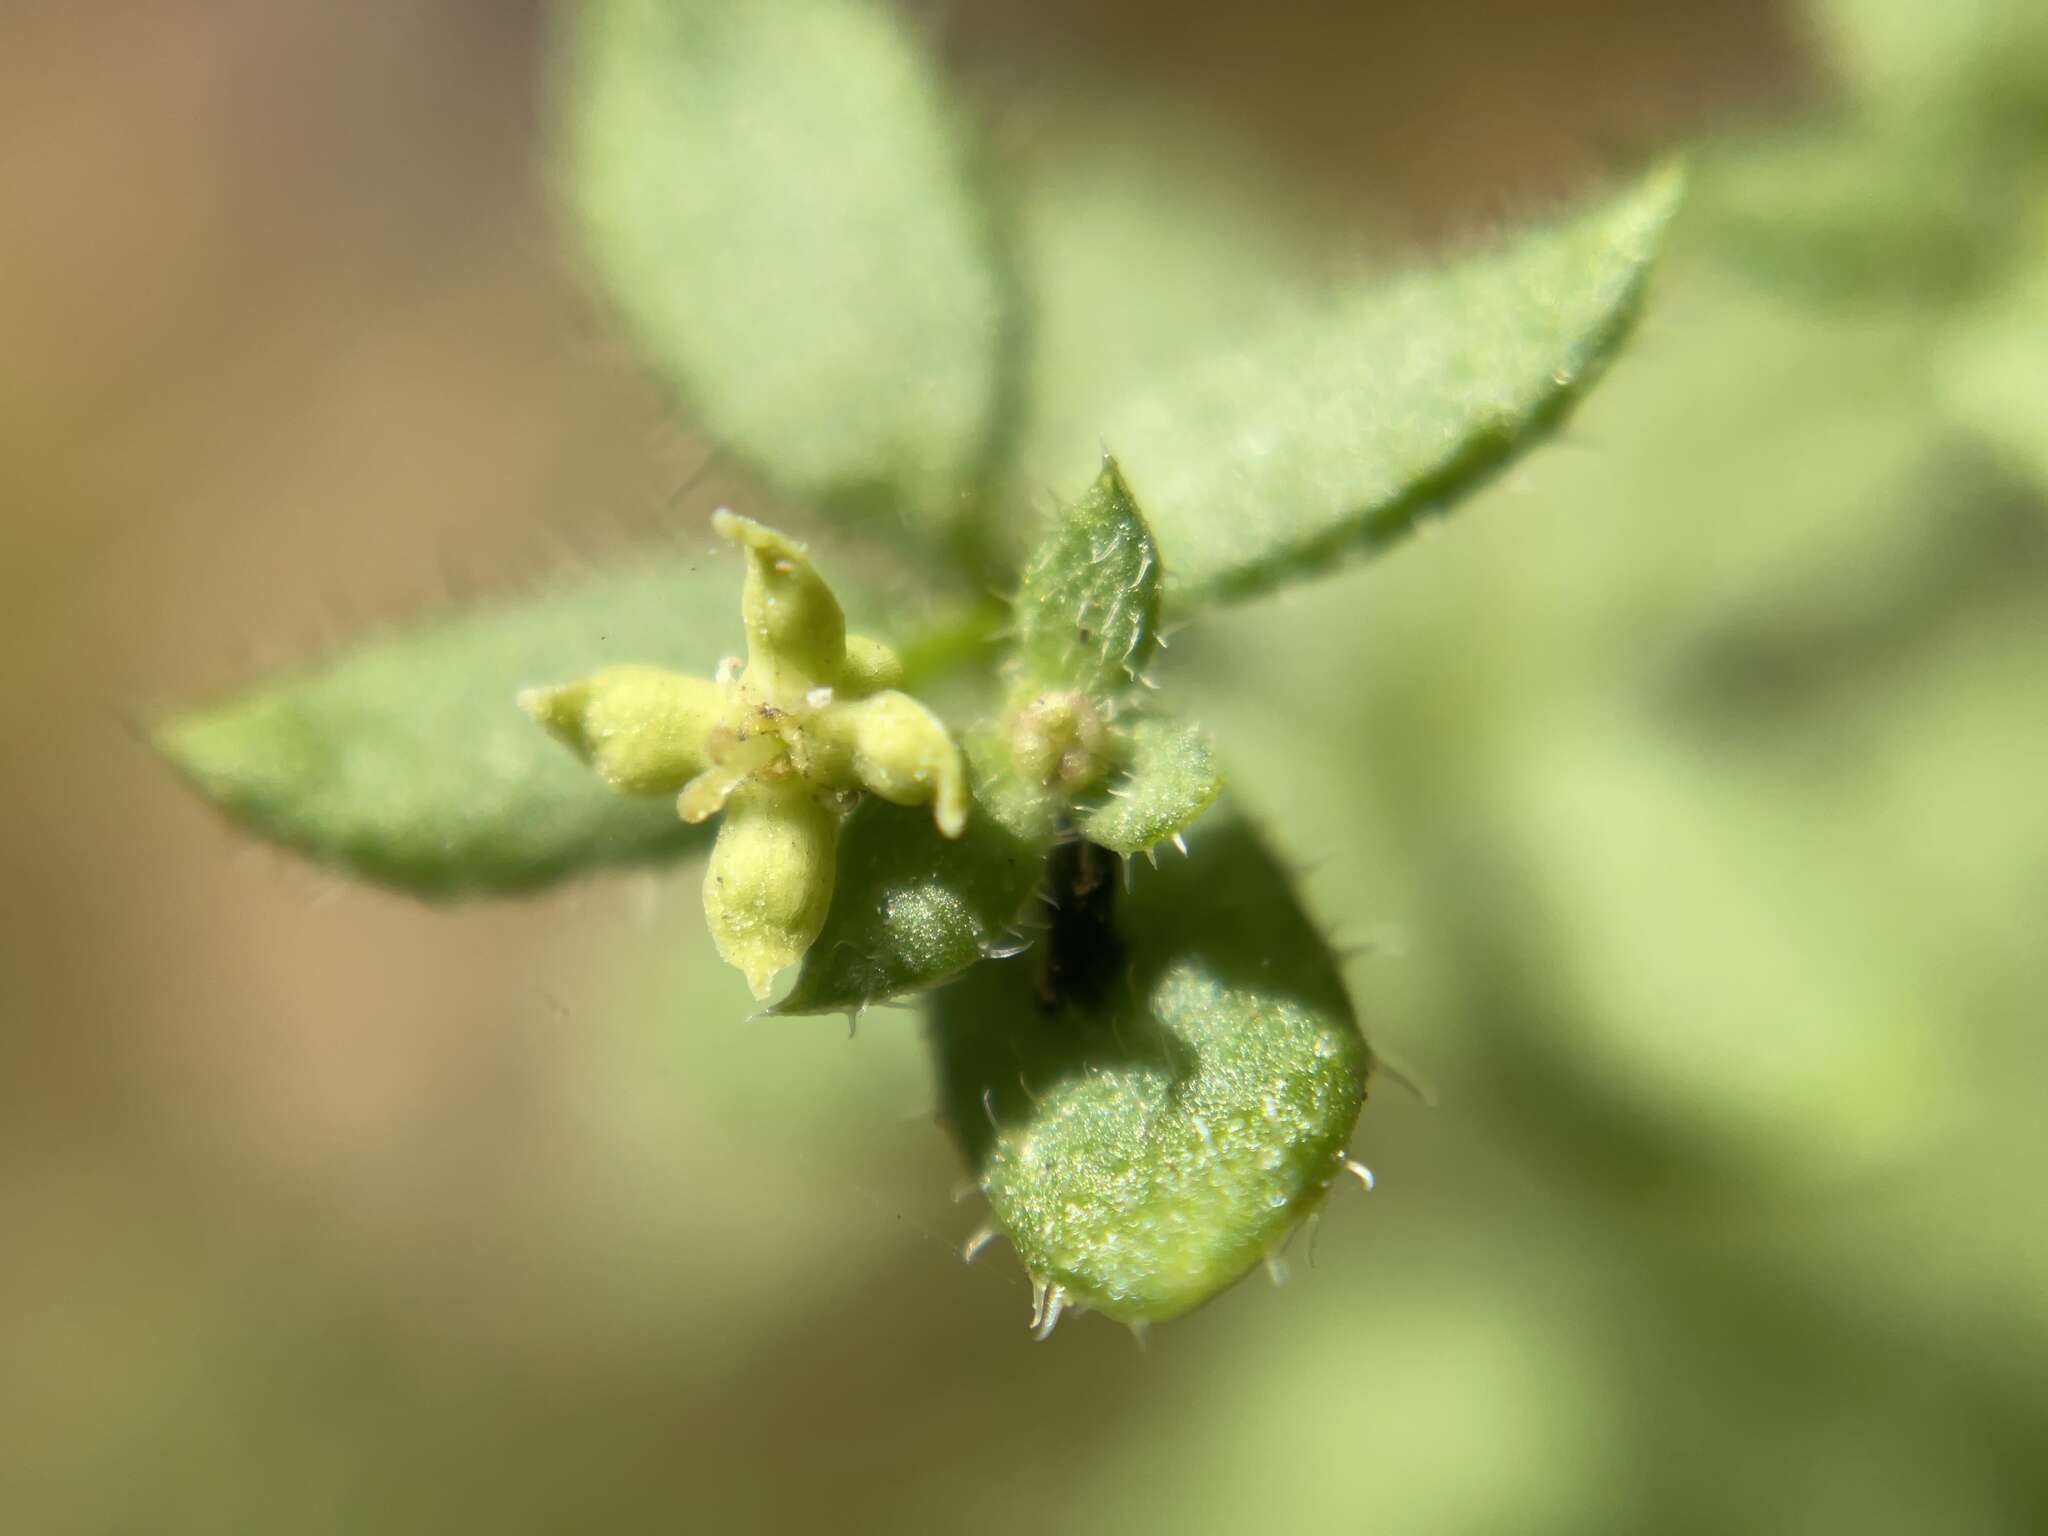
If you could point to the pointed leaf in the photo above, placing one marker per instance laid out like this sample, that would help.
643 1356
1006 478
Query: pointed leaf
1087 612
1343 423
911 907
1171 779
407 760
1151 1135
776 197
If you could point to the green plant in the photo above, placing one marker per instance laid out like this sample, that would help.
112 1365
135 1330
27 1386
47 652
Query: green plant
1153 1076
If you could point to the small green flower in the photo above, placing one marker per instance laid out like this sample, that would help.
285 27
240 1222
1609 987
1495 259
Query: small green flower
783 746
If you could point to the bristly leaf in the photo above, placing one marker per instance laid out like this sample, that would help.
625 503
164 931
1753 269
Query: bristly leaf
1146 1138
776 197
910 907
406 761
1087 612
1343 423
1171 778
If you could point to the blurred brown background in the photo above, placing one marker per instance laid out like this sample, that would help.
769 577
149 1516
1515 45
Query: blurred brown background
323 1210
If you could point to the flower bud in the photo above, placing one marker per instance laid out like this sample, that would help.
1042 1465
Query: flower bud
643 729
1058 739
770 878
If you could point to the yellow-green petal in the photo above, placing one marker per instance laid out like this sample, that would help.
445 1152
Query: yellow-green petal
899 750
796 633
642 728
870 666
770 878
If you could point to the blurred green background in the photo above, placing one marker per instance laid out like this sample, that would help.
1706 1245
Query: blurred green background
1685 792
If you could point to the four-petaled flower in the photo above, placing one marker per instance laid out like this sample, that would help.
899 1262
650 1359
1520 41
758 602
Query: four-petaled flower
783 746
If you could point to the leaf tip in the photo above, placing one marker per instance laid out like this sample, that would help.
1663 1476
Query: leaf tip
234 755
1655 199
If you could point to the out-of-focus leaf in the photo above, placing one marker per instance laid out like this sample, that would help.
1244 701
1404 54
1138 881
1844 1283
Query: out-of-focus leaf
1157 1126
1704 952
776 197
406 760
1848 211
1105 189
1344 422
1170 779
1087 611
1796 427
910 907
1994 370
1978 57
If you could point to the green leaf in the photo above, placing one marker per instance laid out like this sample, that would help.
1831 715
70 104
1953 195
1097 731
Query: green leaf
776 197
1171 779
1164 1122
911 907
406 760
1087 613
1981 57
1887 208
1993 370
1342 424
